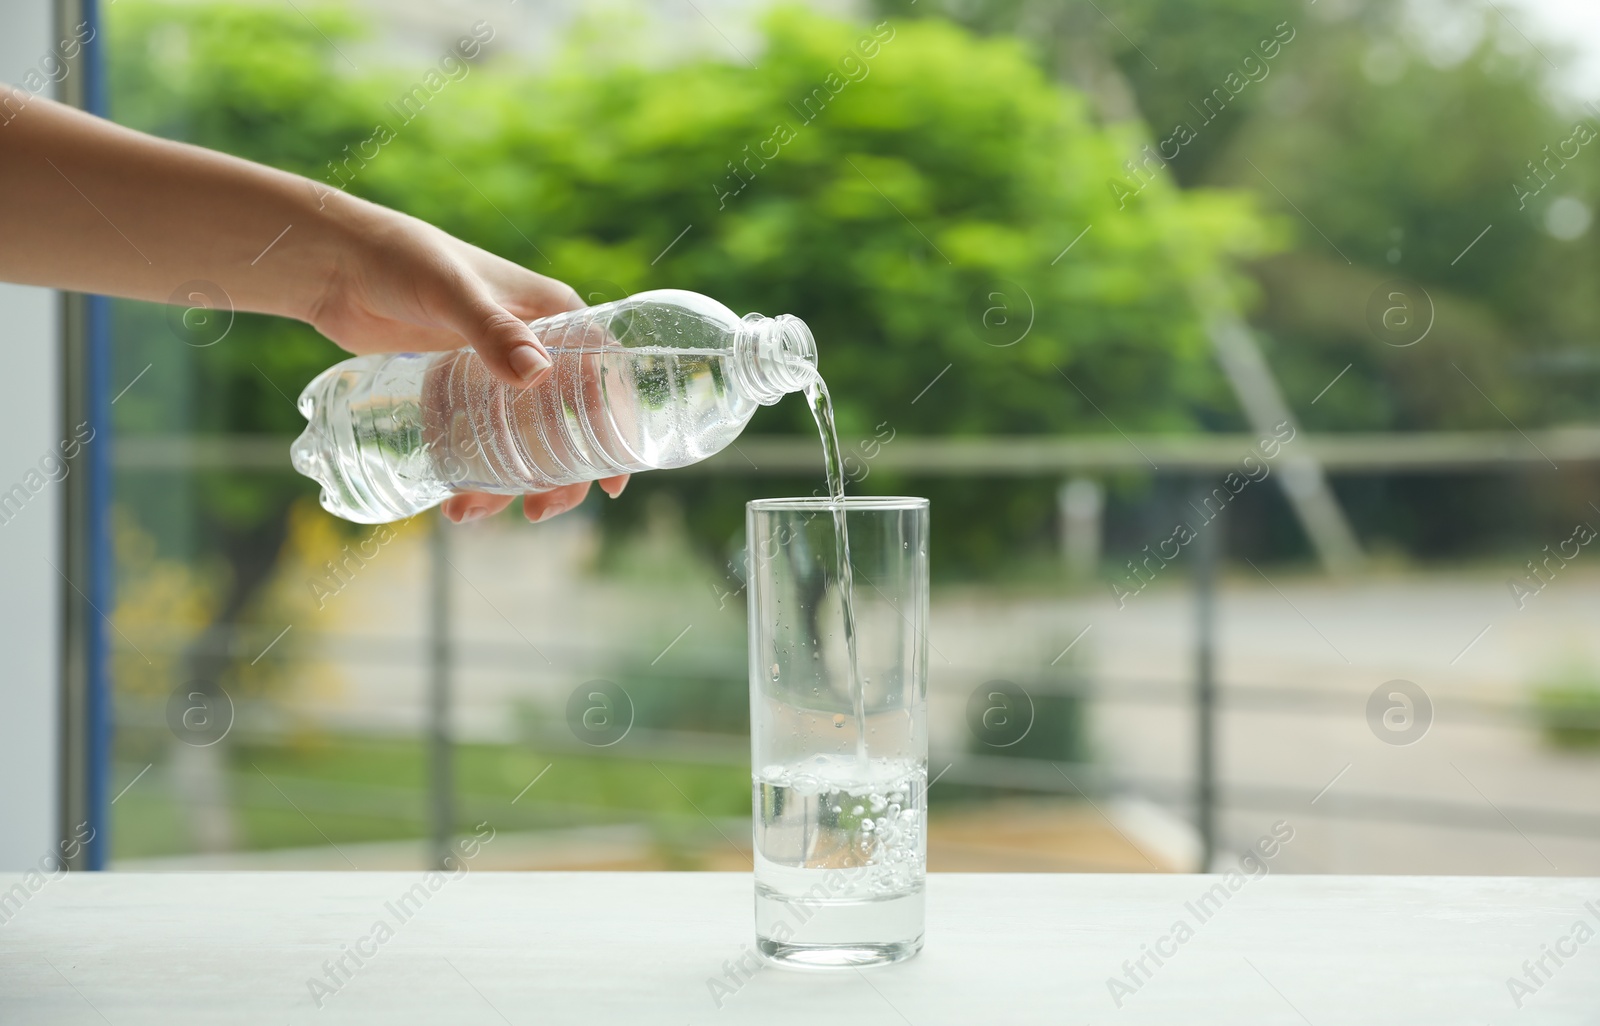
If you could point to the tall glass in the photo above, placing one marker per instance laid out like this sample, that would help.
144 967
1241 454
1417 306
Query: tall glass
839 787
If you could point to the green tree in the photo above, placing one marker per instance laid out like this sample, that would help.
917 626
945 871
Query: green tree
892 194
1386 156
893 189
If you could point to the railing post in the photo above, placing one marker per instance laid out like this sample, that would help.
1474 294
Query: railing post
440 775
1080 505
1207 548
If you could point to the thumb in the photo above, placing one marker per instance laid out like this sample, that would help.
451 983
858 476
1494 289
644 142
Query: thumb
510 349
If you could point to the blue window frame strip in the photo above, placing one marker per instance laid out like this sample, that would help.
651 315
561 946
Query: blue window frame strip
97 379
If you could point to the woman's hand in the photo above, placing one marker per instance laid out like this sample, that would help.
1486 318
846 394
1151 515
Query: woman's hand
406 286
164 213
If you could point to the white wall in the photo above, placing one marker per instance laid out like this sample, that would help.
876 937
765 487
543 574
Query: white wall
30 591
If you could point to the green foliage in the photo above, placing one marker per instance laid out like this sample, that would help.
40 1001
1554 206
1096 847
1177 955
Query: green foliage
1404 163
1172 52
1567 705
892 190
1388 144
1395 155
950 169
250 82
350 789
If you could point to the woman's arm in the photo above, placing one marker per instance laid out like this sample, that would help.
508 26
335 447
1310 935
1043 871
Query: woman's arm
90 206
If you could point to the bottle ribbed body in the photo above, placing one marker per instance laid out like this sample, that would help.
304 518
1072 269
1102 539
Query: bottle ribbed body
658 380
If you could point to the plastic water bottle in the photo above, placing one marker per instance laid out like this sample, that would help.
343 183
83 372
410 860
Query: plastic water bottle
658 380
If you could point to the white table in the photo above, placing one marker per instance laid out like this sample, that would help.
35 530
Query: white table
598 948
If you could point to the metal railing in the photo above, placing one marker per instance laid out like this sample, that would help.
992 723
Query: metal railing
1019 455
1190 456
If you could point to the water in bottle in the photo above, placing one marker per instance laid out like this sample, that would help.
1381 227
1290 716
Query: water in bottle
658 380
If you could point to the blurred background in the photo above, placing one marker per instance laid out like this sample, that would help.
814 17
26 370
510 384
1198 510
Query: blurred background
1247 352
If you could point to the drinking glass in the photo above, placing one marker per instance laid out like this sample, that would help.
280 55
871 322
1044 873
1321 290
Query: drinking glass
839 787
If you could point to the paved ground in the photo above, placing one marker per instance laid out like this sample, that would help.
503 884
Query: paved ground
1332 646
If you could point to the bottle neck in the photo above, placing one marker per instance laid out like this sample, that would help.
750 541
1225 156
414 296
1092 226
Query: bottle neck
773 356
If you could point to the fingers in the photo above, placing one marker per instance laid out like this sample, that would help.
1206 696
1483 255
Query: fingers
525 293
507 346
494 300
542 506
470 506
